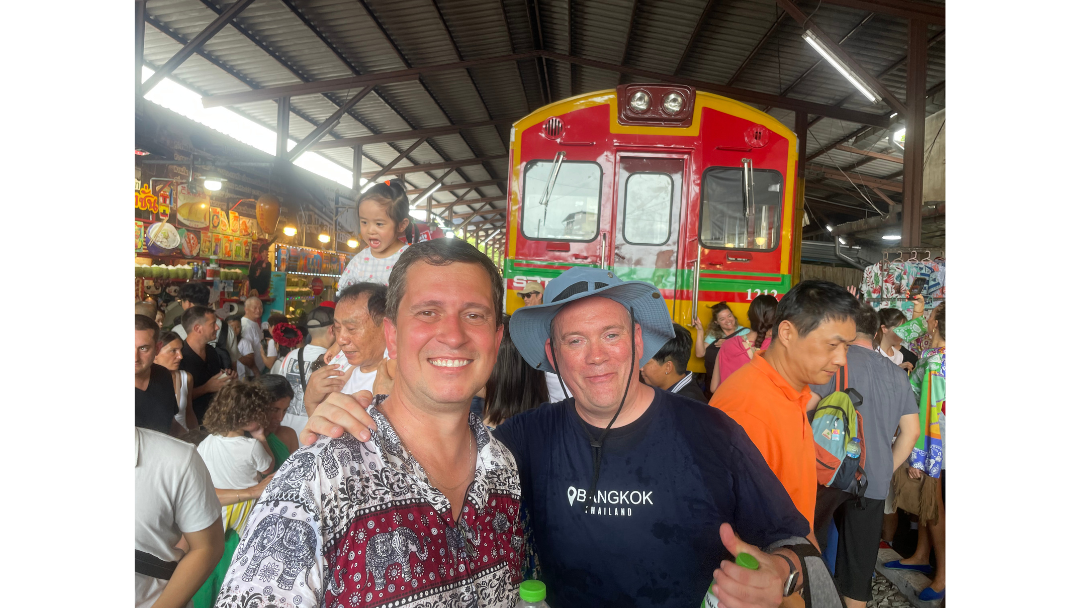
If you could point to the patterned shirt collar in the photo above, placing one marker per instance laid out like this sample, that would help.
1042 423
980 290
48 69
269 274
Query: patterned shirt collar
489 459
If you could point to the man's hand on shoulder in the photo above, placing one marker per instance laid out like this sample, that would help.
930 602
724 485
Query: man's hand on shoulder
738 587
323 381
337 414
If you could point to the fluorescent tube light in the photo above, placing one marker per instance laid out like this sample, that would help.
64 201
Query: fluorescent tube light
844 70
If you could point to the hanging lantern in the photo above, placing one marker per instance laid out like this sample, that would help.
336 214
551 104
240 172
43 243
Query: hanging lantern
266 212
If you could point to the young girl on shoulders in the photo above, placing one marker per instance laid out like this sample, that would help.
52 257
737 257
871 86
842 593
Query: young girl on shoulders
384 219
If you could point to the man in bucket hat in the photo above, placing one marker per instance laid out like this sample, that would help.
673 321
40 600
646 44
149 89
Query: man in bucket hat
626 485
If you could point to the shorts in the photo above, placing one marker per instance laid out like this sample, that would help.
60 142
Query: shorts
859 532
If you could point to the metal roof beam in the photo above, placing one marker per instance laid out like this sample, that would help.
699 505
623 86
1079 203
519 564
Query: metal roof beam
401 56
469 217
364 140
801 18
744 95
450 164
195 44
318 132
757 48
693 36
390 165
461 186
864 180
471 201
351 82
626 41
905 9
877 155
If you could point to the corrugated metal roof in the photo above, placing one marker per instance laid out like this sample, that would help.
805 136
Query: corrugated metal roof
278 42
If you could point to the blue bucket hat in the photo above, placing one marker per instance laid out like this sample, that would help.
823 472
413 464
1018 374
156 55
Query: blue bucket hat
530 327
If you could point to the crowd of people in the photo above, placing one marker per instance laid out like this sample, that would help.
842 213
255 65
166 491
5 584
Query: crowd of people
412 445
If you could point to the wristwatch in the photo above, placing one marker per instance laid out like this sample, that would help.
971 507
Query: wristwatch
793 575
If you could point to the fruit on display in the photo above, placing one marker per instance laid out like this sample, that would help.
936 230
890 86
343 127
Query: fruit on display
161 271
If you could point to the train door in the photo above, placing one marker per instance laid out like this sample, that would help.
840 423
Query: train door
649 211
740 231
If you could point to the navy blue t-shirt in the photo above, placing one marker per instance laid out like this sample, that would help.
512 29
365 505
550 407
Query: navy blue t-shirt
667 482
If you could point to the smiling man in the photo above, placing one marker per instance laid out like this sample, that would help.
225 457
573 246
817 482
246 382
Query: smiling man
815 323
427 513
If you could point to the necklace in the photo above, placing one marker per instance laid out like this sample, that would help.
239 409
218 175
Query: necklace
468 475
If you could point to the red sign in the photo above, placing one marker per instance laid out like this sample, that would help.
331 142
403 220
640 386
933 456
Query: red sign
316 286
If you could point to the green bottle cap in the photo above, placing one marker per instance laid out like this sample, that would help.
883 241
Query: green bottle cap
533 591
746 561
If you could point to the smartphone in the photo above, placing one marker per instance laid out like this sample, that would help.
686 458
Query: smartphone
917 287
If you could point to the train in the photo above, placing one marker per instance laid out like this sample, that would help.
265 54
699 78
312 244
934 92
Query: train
687 190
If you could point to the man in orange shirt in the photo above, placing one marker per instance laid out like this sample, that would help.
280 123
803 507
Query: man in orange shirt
815 323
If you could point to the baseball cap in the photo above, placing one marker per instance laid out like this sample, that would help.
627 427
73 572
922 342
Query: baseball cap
530 288
319 317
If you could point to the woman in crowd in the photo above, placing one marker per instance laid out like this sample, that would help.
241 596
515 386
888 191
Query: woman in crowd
928 460
896 329
513 387
738 351
707 344
169 356
281 439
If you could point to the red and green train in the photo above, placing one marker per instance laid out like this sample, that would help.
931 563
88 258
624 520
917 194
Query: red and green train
686 190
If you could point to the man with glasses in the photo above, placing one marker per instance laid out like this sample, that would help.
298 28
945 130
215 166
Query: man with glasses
532 294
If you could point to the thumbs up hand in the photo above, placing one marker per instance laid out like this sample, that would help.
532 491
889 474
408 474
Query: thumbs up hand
738 587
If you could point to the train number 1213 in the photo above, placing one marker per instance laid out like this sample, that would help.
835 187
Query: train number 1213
753 293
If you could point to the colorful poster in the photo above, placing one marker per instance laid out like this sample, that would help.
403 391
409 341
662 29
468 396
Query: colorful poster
245 226
247 250
190 241
207 245
140 234
216 226
238 249
216 251
234 223
192 208
226 247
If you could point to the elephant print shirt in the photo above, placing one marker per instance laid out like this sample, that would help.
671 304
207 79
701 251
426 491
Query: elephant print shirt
347 524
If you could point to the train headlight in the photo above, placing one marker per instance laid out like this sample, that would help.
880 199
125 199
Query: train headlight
673 103
640 101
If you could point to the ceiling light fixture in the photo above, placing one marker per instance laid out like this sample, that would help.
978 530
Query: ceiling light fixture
352 243
212 185
890 237
324 238
844 70
828 227
289 230
842 241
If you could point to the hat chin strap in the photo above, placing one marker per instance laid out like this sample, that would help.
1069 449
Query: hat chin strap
597 444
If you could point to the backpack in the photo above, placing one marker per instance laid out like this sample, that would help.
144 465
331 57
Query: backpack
834 423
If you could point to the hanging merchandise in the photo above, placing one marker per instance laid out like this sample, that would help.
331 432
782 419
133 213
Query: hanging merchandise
887 284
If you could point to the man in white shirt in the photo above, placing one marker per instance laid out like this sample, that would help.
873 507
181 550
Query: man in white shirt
358 329
174 498
251 328
320 326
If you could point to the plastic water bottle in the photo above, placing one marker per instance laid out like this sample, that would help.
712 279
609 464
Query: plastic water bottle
743 559
854 448
532 595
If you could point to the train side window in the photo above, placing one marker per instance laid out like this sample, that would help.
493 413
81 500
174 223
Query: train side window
728 221
572 210
647 208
